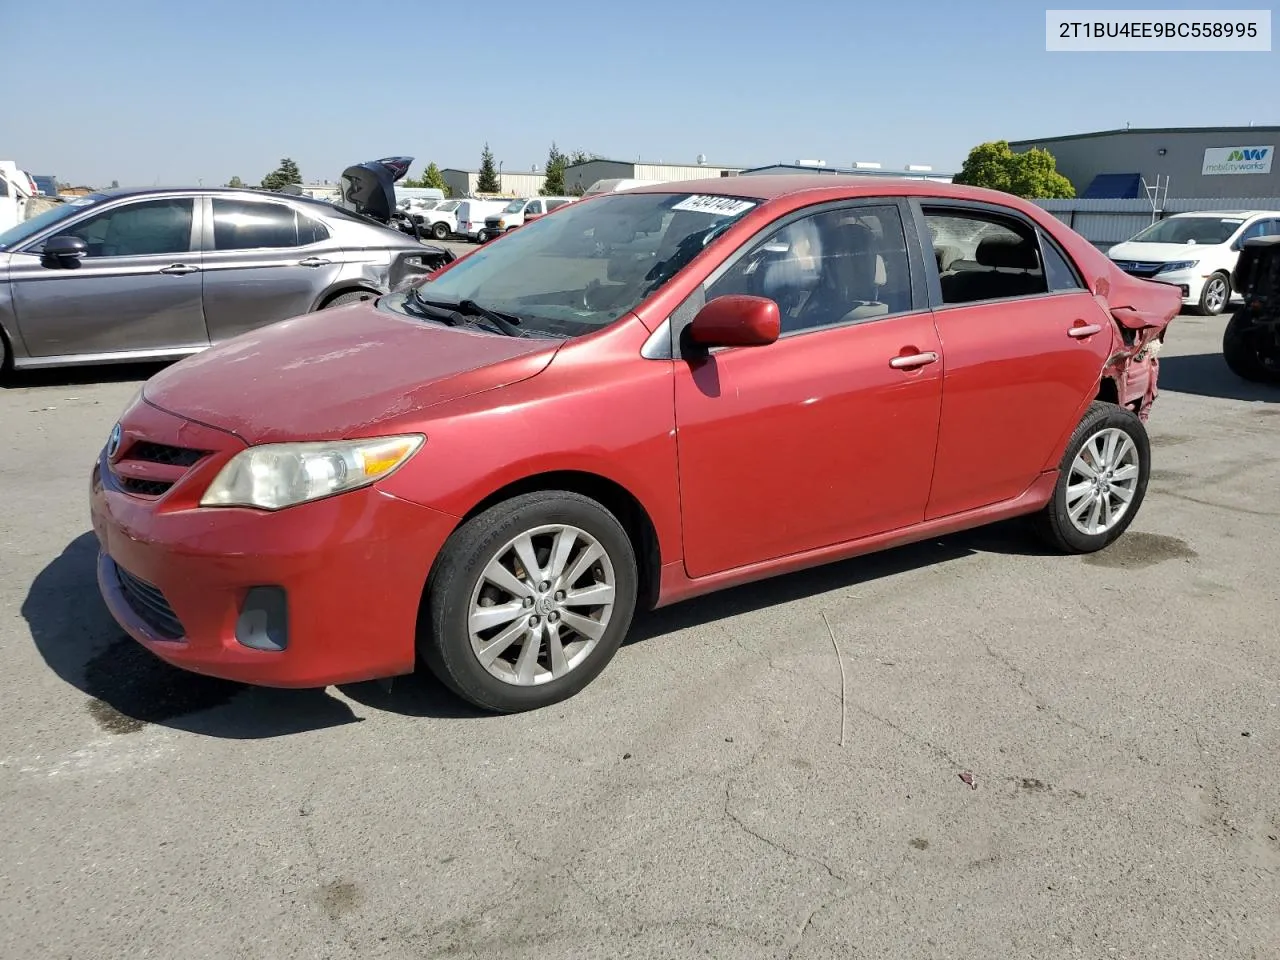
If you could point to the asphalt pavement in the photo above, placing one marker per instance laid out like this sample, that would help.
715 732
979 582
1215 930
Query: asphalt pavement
1043 756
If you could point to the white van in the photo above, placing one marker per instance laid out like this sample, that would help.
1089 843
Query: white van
16 188
471 215
518 212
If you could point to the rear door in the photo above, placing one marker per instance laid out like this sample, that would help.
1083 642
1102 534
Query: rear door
1024 343
264 261
137 290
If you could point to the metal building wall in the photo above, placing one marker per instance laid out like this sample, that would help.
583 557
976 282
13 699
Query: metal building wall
1107 222
678 171
579 177
1082 157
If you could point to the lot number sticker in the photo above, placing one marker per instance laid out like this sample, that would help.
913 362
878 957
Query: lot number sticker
720 206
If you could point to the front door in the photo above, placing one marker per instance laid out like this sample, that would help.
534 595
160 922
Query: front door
137 290
1024 341
828 434
264 261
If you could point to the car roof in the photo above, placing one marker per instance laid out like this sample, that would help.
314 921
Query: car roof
116 192
771 186
1227 213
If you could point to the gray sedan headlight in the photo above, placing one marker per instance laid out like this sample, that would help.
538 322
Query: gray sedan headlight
277 475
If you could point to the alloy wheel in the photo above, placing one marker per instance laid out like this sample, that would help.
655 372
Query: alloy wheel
541 605
1215 295
1102 481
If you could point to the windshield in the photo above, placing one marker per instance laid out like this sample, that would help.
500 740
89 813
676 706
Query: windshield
580 270
1190 230
29 228
515 206
449 207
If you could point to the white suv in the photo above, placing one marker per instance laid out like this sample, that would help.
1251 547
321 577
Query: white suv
1195 251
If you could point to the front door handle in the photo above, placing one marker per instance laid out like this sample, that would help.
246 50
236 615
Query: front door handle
314 262
1085 330
179 268
913 360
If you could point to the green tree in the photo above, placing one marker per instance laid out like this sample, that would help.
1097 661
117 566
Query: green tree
283 175
235 182
556 162
1032 175
431 177
488 181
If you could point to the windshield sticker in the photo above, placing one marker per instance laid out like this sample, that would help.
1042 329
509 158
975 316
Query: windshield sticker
720 206
1231 220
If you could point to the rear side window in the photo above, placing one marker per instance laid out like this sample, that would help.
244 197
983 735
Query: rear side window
243 225
1057 270
983 256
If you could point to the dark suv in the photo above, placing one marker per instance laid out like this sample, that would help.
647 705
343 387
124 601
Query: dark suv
1251 342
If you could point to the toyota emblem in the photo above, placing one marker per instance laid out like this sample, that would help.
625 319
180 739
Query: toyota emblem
113 442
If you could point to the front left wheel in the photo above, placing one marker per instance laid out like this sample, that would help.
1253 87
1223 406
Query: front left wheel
529 601
1102 480
1215 295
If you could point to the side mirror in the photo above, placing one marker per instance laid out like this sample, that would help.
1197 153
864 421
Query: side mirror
64 251
736 321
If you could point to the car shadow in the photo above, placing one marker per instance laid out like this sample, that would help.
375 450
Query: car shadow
129 687
80 376
1207 375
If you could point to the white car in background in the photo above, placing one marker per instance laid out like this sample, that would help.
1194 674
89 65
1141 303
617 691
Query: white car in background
1195 251
438 218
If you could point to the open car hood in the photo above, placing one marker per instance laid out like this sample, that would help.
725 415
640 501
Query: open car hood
369 188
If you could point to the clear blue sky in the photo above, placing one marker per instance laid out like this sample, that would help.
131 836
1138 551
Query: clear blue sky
181 91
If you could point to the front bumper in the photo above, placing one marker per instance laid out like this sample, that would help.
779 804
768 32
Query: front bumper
351 567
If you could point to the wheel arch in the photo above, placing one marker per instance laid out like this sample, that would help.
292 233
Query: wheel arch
337 290
610 494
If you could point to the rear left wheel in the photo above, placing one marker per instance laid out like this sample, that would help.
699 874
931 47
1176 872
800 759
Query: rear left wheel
1102 480
529 601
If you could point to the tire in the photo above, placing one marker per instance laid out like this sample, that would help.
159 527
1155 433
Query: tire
1217 287
1055 522
1242 356
353 296
440 231
457 587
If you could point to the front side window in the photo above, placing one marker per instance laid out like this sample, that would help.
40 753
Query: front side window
833 267
986 256
138 229
1181 230
255 225
582 269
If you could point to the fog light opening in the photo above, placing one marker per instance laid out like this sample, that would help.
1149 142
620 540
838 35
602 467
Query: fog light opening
263 623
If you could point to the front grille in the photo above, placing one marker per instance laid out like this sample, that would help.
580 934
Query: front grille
1139 268
146 488
150 605
165 458
163 453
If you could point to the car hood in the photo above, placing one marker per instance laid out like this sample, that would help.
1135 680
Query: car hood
1160 252
342 372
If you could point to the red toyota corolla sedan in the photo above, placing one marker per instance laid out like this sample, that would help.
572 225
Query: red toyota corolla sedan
641 397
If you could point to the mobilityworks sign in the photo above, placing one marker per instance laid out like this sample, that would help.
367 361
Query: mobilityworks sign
1219 160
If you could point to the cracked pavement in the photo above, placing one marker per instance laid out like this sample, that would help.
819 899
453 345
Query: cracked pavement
1119 714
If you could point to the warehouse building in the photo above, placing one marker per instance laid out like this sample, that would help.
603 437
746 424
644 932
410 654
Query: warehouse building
578 177
465 183
1230 163
915 171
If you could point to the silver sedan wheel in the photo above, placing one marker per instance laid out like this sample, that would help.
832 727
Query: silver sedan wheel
1102 481
1215 296
541 605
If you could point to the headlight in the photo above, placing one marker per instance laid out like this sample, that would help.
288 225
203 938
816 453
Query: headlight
277 475
1177 265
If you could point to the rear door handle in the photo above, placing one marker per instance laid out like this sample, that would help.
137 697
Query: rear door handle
314 262
1088 330
179 268
913 360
